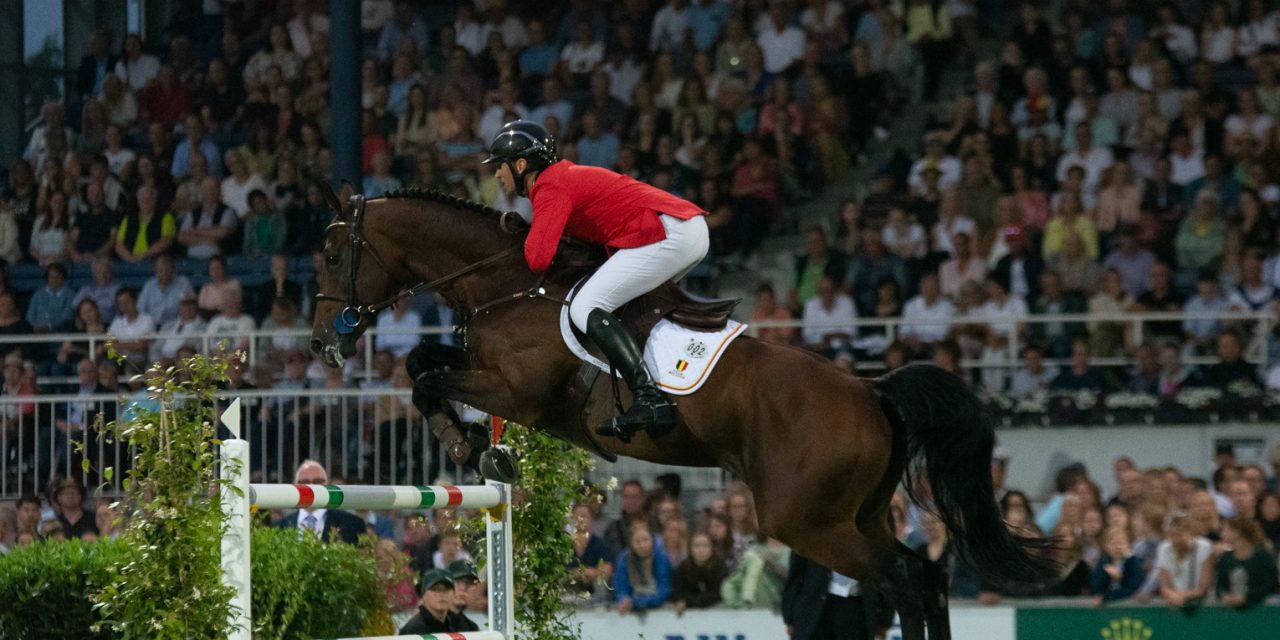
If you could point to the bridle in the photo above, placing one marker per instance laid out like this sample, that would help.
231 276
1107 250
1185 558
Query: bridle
354 315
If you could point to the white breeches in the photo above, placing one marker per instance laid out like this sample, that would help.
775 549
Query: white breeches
631 273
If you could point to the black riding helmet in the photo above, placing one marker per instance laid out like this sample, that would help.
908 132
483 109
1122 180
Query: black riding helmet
523 139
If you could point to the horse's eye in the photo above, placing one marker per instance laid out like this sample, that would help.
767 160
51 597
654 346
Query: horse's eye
332 259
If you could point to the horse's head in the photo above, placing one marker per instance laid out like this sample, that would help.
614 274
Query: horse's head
355 283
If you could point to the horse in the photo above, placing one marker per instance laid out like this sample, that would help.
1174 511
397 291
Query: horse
823 451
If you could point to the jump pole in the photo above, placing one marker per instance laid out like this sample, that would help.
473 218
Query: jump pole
495 497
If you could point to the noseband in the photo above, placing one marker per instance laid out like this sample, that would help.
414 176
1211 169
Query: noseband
354 314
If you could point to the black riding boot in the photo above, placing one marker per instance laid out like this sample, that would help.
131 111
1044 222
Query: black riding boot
650 409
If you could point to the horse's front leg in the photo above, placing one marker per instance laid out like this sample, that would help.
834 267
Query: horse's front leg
463 442
484 389
434 356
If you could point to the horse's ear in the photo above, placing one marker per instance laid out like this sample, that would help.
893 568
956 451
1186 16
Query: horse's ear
331 199
344 196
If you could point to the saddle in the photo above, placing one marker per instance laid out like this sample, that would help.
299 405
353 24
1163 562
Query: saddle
672 302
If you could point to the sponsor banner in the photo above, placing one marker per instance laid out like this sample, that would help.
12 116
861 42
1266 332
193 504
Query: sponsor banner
1148 623
967 623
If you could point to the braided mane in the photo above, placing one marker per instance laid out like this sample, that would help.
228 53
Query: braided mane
432 195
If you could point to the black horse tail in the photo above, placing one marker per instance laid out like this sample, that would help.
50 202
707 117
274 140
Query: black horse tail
949 436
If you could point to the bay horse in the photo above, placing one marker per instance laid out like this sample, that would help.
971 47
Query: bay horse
822 450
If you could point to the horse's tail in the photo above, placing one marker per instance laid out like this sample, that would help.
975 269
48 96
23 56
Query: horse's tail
949 437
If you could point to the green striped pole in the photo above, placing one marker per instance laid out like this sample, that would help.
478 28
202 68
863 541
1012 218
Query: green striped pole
316 496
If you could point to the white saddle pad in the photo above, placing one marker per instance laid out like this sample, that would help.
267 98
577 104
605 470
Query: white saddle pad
679 358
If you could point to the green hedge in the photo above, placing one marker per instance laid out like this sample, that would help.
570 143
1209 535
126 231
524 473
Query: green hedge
45 589
301 589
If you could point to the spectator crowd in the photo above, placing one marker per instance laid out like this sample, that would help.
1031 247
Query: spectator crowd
1091 158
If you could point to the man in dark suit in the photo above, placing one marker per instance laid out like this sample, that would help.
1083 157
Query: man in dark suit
819 604
1020 270
73 420
330 524
96 65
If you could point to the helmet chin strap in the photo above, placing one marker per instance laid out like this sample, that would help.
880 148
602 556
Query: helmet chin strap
518 176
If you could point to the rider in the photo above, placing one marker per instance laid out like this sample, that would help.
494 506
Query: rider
652 236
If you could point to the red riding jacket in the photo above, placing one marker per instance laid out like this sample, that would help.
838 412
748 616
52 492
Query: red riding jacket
599 206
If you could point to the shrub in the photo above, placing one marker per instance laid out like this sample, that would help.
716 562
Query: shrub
45 589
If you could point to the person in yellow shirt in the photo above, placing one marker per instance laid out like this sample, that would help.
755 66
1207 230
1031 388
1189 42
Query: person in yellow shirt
144 234
1070 218
929 29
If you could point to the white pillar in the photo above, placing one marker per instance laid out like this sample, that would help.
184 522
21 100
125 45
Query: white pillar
235 542
502 614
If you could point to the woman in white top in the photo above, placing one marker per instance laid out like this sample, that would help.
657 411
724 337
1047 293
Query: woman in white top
1258 31
950 223
1217 38
902 236
280 54
413 134
1248 121
50 232
1184 563
668 83
237 186
118 156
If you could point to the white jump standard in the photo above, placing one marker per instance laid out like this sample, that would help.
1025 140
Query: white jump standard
493 496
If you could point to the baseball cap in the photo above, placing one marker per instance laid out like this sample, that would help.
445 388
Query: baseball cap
463 569
435 577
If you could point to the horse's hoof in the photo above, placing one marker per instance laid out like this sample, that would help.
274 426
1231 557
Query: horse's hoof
499 466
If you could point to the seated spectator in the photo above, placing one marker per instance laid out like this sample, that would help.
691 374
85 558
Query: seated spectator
757 580
642 578
435 612
962 267
1202 331
380 181
818 260
88 320
1108 337
101 290
1056 337
1069 219
1034 376
1252 293
698 579
1144 377
871 267
1231 369
284 315
265 230
929 305
592 567
278 286
1133 262
1073 573
448 550
239 183
598 147
205 230
1246 571
401 325
1022 267
145 233
1118 573
51 233
767 309
829 319
1080 376
185 331
215 292
51 307
1161 297
1185 565
195 143
903 237
93 234
128 328
1079 272
1201 237
232 325
161 293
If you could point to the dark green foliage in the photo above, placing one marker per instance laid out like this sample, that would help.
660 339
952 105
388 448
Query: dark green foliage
45 589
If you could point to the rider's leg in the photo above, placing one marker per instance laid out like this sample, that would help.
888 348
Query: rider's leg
628 274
